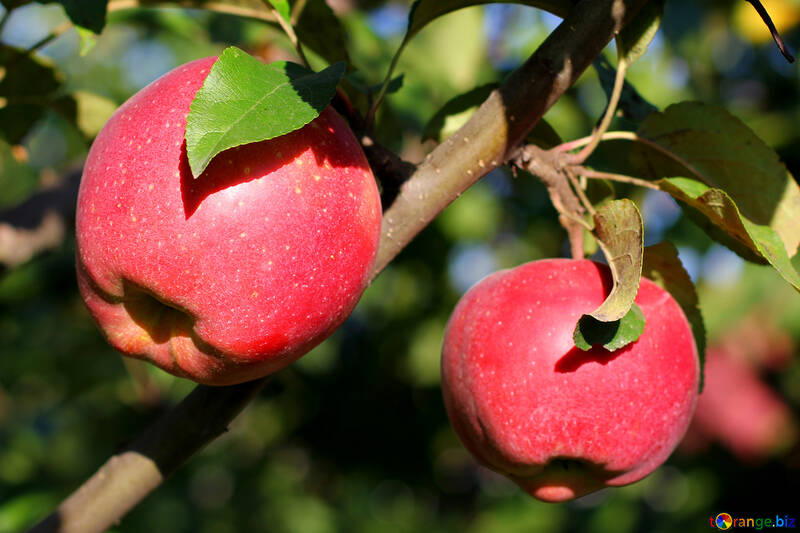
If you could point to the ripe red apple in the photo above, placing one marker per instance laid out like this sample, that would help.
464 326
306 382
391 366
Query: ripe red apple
558 421
234 275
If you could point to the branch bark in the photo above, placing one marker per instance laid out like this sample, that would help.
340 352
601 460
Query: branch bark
482 144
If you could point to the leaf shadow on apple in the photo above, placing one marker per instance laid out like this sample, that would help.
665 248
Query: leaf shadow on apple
253 161
576 358
230 168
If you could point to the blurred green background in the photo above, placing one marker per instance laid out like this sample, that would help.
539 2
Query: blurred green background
354 436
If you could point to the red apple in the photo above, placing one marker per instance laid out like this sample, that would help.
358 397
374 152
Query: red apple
558 421
740 410
234 275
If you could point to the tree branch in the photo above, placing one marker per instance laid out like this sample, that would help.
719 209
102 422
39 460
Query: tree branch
484 143
494 131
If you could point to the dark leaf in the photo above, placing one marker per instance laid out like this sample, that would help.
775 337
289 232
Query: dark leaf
610 335
662 266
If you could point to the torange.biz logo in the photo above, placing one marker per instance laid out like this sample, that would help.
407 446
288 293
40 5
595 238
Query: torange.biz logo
727 521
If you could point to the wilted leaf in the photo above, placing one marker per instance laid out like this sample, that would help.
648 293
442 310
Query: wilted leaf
618 229
634 38
244 101
728 156
662 266
721 210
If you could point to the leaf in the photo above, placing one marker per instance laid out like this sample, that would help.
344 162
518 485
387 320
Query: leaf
634 38
321 30
543 135
89 14
455 112
611 335
28 87
424 11
618 230
725 154
282 7
722 211
88 40
632 105
662 266
244 101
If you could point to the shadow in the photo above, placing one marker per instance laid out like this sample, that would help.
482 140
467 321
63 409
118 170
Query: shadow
252 161
576 358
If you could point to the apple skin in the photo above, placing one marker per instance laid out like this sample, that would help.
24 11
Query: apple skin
234 275
560 422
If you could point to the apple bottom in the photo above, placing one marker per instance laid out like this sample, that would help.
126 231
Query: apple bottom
560 478
141 326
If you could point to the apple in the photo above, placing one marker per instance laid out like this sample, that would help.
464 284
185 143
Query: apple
741 410
234 275
556 420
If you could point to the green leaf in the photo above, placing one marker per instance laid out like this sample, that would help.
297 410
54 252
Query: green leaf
725 154
618 230
283 9
662 266
319 29
88 40
357 81
89 14
455 112
610 335
722 211
244 101
634 38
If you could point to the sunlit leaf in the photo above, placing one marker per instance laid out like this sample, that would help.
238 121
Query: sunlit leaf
721 210
244 101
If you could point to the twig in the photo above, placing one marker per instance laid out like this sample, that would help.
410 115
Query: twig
635 137
290 33
772 29
576 186
622 178
611 109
